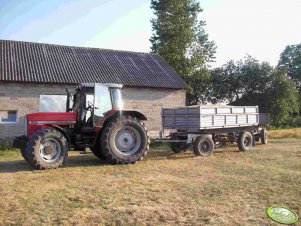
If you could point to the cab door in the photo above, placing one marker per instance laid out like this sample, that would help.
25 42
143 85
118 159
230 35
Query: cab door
102 104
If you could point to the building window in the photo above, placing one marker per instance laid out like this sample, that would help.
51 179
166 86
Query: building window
53 103
57 103
8 116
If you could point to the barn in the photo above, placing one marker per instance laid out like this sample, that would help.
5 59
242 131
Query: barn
31 72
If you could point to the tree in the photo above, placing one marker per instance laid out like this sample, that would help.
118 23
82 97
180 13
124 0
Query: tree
290 62
179 37
284 100
244 82
225 84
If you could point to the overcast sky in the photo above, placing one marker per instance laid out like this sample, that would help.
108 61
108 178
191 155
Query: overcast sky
260 28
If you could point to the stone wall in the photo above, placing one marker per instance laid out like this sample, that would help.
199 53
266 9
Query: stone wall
150 101
25 99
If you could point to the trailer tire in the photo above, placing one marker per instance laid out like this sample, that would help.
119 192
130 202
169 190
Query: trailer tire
203 146
178 147
47 149
264 136
245 141
124 140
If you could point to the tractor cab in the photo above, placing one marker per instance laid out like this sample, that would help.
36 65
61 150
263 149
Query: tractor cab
92 102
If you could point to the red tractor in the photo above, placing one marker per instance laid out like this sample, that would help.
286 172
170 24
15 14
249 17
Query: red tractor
112 133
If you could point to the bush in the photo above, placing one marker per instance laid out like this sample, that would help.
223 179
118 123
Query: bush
5 147
297 122
5 144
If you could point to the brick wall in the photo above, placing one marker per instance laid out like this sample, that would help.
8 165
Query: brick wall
25 99
150 101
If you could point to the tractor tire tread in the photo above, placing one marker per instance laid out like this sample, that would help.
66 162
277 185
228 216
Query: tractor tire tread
105 138
32 148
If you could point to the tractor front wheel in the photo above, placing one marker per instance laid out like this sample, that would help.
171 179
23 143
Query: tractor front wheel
124 140
47 149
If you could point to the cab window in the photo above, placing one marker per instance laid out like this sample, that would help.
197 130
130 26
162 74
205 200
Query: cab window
102 100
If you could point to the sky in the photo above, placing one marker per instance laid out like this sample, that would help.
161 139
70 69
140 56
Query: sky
260 28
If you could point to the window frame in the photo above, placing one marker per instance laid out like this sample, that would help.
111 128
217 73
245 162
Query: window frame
15 122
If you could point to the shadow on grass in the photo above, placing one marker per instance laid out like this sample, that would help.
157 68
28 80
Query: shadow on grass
89 160
14 166
86 160
81 160
155 155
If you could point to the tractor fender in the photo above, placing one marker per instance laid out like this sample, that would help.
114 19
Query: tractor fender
134 113
116 113
137 114
63 132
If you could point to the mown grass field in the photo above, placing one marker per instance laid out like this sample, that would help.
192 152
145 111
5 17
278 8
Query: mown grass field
228 188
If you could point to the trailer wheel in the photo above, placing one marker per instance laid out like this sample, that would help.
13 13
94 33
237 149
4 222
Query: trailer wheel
245 141
264 136
203 145
178 147
47 149
124 140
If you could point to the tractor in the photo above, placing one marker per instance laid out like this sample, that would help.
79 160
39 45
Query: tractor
94 119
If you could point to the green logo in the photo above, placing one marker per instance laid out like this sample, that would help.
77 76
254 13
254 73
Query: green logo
282 215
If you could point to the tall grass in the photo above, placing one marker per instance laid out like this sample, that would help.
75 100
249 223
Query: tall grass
285 133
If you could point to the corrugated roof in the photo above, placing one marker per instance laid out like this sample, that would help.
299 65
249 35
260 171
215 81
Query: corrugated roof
46 63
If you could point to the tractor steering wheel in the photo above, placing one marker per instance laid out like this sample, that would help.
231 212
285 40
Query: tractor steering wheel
90 106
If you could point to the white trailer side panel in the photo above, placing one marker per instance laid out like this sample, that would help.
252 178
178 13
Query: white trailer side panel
209 116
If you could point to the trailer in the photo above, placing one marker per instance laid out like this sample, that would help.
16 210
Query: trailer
207 127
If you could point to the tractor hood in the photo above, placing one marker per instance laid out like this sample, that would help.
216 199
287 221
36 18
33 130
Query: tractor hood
52 118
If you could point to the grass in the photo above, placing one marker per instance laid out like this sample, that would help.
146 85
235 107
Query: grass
228 188
285 133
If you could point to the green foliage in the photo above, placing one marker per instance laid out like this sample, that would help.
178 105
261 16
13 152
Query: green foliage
297 122
290 62
5 147
241 82
250 82
179 37
198 84
225 84
284 101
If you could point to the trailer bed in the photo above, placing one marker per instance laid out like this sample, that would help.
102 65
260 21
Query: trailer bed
202 117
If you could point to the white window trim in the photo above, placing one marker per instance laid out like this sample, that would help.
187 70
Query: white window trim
17 118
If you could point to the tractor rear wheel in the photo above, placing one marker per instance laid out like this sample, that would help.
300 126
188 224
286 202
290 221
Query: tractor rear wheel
124 140
47 149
